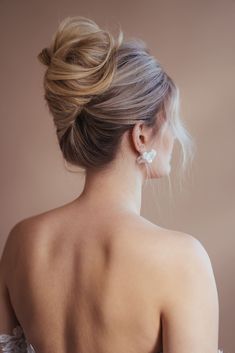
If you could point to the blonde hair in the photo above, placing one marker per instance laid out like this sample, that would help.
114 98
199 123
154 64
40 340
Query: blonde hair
97 88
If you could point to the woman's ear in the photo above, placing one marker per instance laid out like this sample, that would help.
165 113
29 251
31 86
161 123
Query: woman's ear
140 136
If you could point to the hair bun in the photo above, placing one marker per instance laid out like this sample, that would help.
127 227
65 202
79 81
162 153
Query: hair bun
81 60
45 57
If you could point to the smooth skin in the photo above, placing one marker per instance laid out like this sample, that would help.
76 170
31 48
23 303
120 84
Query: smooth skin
95 276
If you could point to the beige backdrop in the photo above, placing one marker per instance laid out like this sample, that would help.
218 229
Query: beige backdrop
194 41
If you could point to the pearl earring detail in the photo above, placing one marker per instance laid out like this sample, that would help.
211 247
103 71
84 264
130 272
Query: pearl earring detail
147 156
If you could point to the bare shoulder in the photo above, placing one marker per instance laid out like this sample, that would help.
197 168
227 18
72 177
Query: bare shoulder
173 246
179 252
168 250
170 246
183 266
31 233
174 254
186 293
25 242
187 250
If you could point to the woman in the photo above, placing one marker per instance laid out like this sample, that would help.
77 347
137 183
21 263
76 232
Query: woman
93 275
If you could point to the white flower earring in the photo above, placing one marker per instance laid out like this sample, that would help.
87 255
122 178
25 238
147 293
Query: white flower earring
147 156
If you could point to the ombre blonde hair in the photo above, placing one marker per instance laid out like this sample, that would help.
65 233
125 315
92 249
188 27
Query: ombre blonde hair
97 88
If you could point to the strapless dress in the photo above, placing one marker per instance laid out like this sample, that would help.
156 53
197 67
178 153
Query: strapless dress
17 343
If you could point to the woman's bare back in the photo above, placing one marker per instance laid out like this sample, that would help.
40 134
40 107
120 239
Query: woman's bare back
84 282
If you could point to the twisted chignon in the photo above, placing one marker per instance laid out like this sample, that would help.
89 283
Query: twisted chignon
97 88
